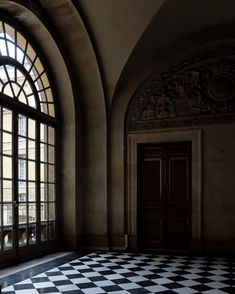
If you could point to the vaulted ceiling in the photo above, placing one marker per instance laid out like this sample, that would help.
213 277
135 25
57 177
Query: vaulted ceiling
128 37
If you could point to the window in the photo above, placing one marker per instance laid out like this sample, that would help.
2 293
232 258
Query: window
27 144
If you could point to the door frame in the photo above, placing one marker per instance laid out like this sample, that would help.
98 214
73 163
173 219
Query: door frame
159 137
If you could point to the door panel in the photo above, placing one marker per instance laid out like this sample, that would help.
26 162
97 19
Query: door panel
164 203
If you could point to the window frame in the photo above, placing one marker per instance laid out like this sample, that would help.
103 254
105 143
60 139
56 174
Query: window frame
18 108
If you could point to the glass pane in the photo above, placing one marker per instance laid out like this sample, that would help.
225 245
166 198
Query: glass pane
22 213
7 191
51 173
51 109
51 136
44 107
22 196
43 211
45 80
43 152
43 133
52 230
43 172
7 120
19 77
32 191
42 94
32 101
22 151
49 95
51 154
31 149
31 170
22 169
51 192
38 65
7 170
32 212
22 125
6 143
10 33
32 234
22 235
43 192
32 129
30 52
7 238
51 211
7 214
43 232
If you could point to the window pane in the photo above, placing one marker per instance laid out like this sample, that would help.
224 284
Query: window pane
51 173
22 169
51 109
22 147
44 236
43 192
43 172
43 211
22 196
32 234
31 149
49 95
51 135
22 125
45 80
31 170
51 230
51 154
32 212
22 213
51 192
7 214
7 238
7 120
51 211
7 191
7 170
22 236
32 191
43 133
32 129
43 152
6 143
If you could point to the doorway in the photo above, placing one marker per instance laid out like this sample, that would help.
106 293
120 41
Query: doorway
164 196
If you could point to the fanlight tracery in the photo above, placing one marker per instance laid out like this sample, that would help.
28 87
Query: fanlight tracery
22 75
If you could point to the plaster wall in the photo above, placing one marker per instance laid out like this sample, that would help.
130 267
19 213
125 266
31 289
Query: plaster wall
219 188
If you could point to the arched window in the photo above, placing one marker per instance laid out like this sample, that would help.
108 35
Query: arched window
27 147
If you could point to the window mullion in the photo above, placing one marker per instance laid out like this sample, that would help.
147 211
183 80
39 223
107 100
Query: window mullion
38 204
15 178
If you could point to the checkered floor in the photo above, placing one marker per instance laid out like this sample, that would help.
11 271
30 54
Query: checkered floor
120 273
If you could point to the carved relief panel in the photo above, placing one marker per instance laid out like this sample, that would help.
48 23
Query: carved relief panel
198 91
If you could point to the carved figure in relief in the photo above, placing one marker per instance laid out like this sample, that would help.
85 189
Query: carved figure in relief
149 111
165 108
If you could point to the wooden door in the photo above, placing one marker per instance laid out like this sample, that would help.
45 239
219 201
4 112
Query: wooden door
164 196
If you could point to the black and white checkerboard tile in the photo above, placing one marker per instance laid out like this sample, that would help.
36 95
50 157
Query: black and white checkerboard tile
120 273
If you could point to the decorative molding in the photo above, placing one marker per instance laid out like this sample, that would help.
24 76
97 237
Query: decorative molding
198 91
